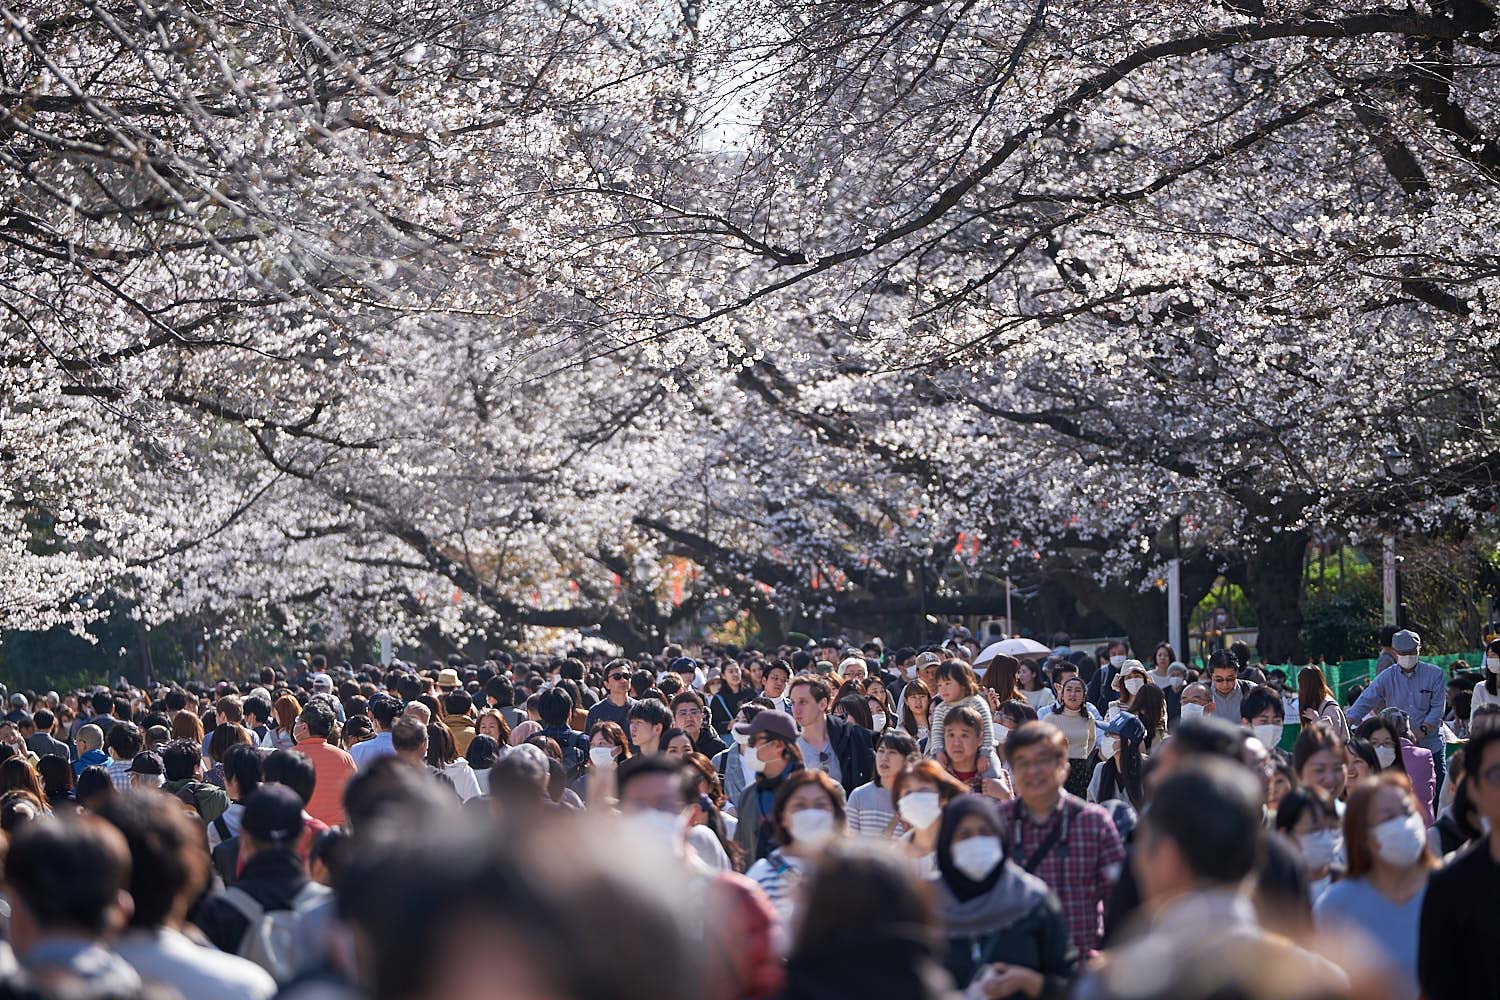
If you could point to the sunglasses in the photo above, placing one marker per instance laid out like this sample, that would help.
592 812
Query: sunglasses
618 677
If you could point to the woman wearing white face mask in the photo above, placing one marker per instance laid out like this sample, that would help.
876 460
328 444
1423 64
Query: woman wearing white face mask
1003 928
920 792
1381 896
808 815
1133 677
1487 692
1394 752
1307 816
872 811
1118 773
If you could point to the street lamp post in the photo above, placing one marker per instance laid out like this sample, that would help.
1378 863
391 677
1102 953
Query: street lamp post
1397 467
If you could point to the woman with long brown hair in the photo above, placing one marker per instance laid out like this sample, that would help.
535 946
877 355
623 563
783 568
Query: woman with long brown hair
284 718
1317 701
999 681
17 775
1381 895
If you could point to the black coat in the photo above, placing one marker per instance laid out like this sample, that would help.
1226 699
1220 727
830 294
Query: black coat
724 706
854 746
272 878
1038 941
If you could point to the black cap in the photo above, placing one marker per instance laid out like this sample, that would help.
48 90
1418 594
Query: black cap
146 762
273 814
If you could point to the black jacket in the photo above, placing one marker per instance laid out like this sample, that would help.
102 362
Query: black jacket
854 746
709 744
1459 936
272 878
1038 941
1100 689
724 706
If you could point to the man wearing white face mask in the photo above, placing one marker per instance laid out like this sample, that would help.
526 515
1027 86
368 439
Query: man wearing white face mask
1262 712
1101 685
1415 687
734 764
774 757
1003 928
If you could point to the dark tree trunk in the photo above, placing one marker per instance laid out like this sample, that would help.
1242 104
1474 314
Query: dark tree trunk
1141 614
1272 578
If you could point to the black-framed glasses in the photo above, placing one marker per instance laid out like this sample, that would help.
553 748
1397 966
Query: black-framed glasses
618 677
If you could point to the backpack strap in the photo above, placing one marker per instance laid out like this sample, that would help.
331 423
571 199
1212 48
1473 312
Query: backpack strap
245 905
222 828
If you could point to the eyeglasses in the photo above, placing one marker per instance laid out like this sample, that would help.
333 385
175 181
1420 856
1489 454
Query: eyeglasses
690 713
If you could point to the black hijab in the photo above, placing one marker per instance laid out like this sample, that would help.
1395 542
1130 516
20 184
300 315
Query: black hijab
960 808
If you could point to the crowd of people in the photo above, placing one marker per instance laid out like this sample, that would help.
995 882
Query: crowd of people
831 821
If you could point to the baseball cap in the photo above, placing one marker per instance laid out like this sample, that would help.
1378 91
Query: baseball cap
273 814
683 665
773 721
321 682
146 762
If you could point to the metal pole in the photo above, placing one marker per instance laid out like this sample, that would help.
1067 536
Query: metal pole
1174 591
1010 624
1388 578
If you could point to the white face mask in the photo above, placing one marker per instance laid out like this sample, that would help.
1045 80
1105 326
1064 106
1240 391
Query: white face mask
1191 711
1407 661
977 856
743 739
1107 746
911 672
810 827
1117 661
756 764
1400 841
1492 664
1001 733
1269 734
879 721
1321 847
656 826
1177 682
1133 684
601 756
920 809
1386 755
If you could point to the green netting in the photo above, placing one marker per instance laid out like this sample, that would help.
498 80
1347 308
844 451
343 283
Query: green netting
1343 676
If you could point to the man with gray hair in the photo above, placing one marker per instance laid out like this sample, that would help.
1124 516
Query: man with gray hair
1416 688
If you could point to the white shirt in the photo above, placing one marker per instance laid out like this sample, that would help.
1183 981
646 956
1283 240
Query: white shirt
166 956
465 783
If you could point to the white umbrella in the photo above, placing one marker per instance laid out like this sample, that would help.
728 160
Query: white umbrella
1011 647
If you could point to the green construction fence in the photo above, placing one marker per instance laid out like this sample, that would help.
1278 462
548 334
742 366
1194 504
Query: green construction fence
1343 676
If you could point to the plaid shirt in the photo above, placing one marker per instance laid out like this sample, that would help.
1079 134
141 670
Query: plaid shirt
1078 869
119 773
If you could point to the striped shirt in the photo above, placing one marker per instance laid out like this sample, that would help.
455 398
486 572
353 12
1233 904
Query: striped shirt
871 812
779 877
